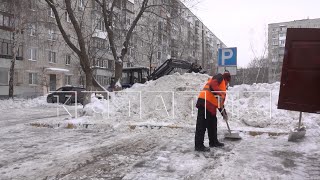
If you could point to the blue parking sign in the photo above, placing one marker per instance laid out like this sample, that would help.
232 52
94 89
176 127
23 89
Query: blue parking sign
227 57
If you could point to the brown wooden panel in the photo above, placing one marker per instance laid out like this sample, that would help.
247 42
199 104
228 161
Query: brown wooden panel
300 79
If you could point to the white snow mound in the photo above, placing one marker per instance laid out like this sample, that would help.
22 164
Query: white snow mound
171 99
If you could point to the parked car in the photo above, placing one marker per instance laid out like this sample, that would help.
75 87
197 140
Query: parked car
62 94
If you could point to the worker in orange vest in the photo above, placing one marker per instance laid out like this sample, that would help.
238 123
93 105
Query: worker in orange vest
212 97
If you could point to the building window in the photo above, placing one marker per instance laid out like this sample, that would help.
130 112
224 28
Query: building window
52 57
282 43
281 35
160 26
32 30
101 43
50 13
32 54
68 59
6 48
6 21
97 6
274 36
283 28
100 24
281 51
159 55
81 4
52 35
141 43
159 38
32 5
4 77
105 64
102 80
33 79
67 80
67 17
275 43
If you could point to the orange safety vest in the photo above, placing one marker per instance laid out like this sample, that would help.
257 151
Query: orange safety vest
211 97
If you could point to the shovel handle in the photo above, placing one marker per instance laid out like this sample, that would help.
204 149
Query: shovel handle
228 126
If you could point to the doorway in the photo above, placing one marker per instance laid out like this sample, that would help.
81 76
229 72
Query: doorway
53 82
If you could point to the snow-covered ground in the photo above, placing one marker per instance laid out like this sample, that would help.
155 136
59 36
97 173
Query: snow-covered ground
40 102
147 132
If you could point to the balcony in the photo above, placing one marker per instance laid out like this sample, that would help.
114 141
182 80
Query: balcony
6 50
7 21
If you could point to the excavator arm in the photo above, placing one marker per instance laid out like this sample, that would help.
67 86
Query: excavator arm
169 65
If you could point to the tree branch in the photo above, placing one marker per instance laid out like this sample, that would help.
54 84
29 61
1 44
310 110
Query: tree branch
63 32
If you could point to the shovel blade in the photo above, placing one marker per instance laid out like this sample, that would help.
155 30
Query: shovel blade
234 136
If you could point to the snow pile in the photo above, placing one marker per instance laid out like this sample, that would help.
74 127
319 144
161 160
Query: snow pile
256 105
40 102
171 100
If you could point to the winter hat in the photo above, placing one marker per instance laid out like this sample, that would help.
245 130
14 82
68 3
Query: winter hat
226 75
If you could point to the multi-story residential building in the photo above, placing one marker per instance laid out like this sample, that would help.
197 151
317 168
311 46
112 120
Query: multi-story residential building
276 43
45 62
174 31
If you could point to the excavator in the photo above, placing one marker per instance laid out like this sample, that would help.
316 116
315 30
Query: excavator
131 75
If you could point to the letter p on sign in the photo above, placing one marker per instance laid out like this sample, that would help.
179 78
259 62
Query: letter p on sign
226 54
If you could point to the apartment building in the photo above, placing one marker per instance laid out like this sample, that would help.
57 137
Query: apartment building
173 31
45 62
276 43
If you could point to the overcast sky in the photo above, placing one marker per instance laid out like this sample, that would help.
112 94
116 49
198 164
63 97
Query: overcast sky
244 23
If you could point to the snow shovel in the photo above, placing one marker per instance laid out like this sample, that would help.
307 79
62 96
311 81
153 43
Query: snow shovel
298 132
231 135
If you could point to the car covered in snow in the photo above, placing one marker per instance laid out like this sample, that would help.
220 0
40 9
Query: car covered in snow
67 95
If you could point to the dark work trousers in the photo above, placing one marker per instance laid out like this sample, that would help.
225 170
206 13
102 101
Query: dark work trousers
208 122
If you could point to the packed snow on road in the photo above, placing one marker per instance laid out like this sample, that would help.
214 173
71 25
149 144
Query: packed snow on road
147 132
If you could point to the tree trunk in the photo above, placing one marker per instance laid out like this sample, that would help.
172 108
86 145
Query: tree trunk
150 61
89 87
257 75
118 74
11 72
11 79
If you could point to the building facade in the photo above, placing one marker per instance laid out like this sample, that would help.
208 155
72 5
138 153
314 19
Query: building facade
45 62
276 43
173 31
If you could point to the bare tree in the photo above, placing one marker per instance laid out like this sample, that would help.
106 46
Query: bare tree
256 72
82 39
162 31
19 24
108 13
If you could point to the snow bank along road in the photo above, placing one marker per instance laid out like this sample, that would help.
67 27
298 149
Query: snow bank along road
111 149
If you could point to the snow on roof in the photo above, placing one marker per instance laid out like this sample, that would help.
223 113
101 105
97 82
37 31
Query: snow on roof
132 1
